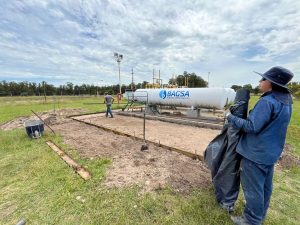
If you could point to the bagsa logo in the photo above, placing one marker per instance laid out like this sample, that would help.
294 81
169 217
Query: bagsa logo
174 94
163 94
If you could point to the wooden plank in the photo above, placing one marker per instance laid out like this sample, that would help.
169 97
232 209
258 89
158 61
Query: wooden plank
78 168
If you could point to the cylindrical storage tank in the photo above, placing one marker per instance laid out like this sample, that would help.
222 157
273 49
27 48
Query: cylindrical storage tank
196 97
128 95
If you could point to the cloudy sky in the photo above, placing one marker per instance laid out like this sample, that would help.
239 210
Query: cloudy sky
61 41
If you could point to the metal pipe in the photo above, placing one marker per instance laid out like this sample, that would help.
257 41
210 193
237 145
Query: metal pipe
144 128
120 91
43 121
145 145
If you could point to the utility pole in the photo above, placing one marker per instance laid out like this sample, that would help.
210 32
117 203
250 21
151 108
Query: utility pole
97 93
44 84
153 78
159 78
132 79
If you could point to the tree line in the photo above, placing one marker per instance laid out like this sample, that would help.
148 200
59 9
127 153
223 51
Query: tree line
186 79
25 88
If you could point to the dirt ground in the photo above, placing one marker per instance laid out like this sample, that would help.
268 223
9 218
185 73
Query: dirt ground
152 170
288 159
184 137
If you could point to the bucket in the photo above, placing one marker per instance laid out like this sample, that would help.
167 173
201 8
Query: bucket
34 128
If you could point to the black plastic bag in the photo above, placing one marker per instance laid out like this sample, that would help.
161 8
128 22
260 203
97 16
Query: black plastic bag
222 159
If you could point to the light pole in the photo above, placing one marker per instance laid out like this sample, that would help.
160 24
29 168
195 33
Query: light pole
119 58
97 88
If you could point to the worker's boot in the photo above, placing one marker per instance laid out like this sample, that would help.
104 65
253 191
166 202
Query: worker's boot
239 220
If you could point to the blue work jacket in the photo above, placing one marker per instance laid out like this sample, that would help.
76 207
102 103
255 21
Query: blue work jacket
264 131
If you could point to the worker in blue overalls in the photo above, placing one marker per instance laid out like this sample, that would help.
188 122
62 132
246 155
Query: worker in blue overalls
262 142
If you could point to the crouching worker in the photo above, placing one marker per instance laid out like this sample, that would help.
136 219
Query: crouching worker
108 100
262 142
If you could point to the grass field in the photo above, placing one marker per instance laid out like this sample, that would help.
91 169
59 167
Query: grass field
12 107
37 186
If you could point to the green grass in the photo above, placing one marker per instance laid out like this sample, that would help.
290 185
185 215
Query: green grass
285 207
12 107
37 185
293 136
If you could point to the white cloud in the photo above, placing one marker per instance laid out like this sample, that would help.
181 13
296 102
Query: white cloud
70 40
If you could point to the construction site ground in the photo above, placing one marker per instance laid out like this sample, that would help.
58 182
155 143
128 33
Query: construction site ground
151 170
187 138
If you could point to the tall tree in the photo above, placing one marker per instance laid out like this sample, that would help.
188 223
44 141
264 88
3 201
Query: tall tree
189 79
69 88
248 86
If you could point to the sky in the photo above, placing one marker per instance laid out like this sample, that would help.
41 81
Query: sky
223 41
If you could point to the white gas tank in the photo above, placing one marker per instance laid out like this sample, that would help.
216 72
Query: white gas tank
196 97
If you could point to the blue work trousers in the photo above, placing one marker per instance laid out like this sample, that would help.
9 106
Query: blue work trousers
108 110
257 185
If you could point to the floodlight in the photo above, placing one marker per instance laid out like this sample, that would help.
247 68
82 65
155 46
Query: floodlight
119 58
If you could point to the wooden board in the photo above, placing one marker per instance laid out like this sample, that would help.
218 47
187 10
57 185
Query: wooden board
78 168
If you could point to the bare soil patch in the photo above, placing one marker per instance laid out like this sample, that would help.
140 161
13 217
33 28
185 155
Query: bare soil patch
187 138
50 117
287 159
152 170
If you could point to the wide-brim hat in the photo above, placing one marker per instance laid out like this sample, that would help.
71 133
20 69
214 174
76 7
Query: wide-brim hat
278 75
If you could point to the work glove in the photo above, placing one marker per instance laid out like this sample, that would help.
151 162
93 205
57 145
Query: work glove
227 113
